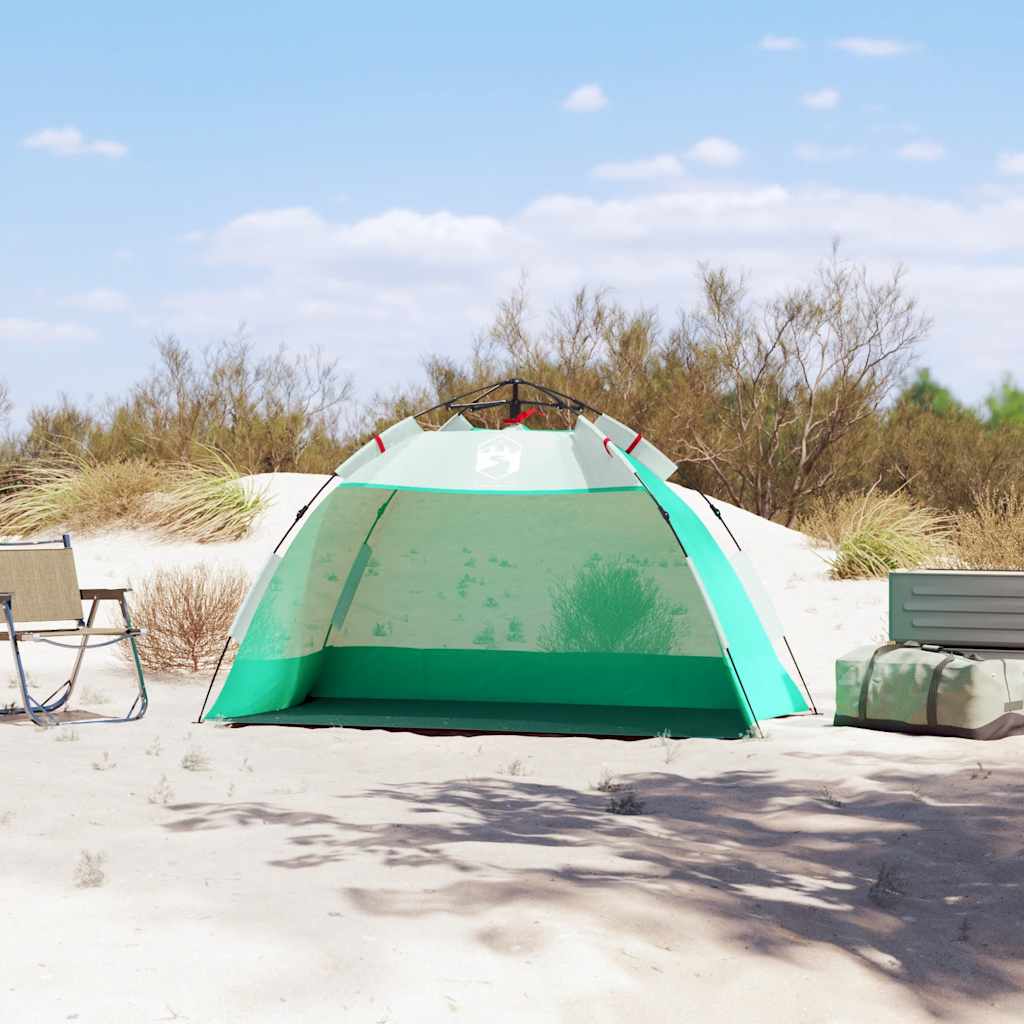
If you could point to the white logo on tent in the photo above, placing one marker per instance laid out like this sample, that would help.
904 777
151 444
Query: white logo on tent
499 458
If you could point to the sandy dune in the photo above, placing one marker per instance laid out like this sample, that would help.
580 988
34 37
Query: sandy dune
820 874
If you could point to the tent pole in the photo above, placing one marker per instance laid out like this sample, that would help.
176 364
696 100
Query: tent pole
213 679
746 696
799 672
785 639
302 511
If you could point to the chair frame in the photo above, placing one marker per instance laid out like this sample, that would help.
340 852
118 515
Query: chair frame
42 712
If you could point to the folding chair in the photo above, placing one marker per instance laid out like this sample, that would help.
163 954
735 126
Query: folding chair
39 591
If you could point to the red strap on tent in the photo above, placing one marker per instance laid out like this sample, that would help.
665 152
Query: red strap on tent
607 441
524 415
632 444
380 443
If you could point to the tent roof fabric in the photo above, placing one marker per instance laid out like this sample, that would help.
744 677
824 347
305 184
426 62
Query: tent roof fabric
525 580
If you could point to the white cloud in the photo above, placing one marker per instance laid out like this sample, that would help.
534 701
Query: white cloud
98 300
865 46
716 152
779 43
586 99
823 99
33 332
813 152
664 166
69 141
922 151
1011 163
382 291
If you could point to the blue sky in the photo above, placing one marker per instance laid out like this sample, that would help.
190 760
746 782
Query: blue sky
370 178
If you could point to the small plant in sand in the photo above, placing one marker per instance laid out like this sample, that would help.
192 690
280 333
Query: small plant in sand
162 793
186 614
104 764
669 748
625 801
90 695
66 734
830 798
606 783
981 772
154 749
89 873
888 887
873 533
514 767
195 760
246 766
991 534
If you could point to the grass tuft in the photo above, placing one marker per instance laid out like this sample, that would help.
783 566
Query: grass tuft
206 501
69 492
872 533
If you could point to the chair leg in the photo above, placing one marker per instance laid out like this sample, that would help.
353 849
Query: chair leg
143 698
66 699
33 709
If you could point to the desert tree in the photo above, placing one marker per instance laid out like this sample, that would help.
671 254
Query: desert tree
772 393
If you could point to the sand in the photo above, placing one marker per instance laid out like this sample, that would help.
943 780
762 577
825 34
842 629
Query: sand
272 874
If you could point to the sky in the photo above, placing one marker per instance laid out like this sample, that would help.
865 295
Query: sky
370 179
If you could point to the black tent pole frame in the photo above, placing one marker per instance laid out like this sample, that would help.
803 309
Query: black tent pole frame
785 639
682 547
224 650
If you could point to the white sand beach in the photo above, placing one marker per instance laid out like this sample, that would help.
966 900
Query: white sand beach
817 875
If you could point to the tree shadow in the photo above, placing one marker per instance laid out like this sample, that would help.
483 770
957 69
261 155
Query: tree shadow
917 878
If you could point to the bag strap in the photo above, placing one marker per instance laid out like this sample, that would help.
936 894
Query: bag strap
933 690
862 703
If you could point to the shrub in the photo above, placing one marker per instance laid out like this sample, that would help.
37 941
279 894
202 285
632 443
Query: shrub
205 502
991 535
872 533
186 614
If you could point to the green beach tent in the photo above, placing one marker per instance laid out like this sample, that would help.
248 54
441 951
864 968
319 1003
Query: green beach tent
519 580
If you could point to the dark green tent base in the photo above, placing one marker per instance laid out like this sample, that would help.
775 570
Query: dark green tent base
498 716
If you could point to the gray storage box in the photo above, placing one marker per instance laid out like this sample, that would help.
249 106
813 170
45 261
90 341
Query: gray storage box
961 609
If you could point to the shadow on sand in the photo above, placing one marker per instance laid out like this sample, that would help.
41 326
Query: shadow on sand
919 879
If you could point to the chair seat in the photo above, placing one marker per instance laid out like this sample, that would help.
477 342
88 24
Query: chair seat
86 631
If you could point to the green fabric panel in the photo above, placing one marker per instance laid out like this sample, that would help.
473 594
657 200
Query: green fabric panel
278 658
618 680
493 716
255 686
769 686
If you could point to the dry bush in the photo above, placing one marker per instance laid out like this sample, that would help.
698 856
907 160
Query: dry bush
991 535
74 493
873 533
946 460
186 614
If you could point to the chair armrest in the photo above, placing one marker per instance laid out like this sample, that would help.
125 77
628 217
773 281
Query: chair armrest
104 593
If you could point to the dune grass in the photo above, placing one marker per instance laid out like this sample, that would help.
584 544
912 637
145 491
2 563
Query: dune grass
871 534
72 493
206 501
203 501
991 535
